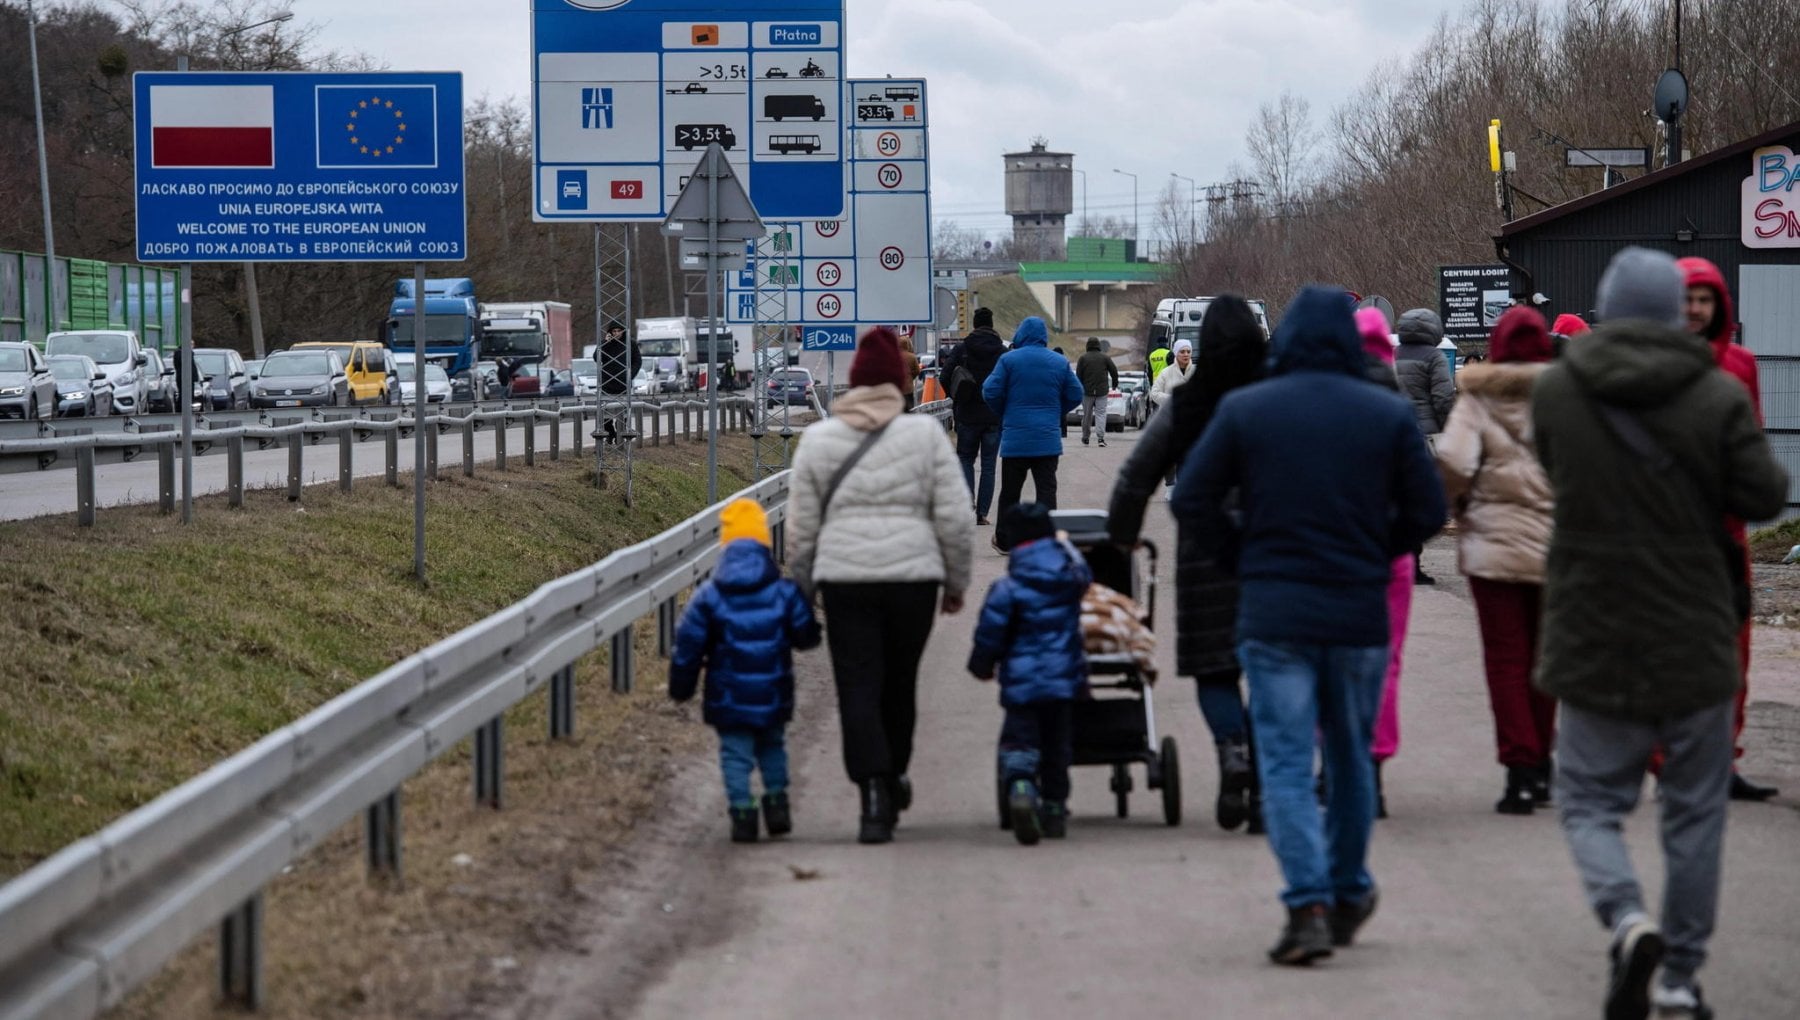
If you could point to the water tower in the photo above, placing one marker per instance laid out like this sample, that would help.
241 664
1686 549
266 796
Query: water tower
1040 194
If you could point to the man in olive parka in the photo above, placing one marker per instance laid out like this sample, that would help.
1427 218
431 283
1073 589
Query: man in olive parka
1648 447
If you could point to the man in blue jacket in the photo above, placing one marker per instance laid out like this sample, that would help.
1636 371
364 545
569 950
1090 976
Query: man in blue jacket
1031 389
1333 481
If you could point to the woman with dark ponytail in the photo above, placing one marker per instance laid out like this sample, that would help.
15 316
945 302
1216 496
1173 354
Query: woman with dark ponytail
1232 352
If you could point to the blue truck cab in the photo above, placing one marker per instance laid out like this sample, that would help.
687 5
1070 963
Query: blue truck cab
452 322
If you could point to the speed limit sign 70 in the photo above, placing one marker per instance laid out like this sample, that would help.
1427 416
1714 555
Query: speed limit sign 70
889 176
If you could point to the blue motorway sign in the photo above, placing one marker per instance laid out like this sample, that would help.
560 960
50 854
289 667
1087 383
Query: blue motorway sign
628 94
299 167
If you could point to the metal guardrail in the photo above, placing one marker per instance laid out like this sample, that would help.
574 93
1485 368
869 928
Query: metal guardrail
127 439
82 929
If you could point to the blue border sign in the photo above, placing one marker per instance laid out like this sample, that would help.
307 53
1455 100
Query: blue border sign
299 167
626 95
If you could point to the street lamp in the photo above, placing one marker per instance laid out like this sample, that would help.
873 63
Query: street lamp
1134 203
251 296
37 99
1193 197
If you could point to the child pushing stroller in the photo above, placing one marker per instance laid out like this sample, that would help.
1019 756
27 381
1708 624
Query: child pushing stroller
1030 638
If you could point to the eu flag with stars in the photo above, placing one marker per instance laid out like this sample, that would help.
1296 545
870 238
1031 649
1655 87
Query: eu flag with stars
377 125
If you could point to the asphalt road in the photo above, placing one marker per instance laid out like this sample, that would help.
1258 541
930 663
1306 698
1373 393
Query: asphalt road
1481 914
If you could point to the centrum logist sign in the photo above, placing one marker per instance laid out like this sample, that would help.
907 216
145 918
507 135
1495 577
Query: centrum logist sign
299 167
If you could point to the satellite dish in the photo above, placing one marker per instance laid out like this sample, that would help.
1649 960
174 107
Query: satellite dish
1671 96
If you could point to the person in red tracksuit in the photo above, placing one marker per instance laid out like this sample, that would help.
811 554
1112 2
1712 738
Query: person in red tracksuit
1709 314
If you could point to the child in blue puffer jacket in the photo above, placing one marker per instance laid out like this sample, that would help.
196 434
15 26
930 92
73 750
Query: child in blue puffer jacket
742 626
1030 630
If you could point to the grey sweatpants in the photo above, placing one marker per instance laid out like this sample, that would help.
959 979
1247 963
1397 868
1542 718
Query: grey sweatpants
1601 763
1092 404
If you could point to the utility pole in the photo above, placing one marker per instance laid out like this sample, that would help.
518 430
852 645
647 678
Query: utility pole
37 99
1134 208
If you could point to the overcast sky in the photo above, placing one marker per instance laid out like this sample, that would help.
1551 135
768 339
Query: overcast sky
1153 87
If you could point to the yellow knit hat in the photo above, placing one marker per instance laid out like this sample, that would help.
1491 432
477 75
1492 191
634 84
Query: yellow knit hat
744 518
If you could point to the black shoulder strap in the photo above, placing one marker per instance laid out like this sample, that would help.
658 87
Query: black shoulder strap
837 477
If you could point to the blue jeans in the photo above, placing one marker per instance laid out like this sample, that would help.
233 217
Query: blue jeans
743 750
1036 743
1299 692
985 441
1223 708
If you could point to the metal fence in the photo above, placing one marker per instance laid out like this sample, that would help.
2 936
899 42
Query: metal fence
85 444
82 929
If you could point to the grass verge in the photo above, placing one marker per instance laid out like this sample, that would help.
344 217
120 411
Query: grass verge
139 652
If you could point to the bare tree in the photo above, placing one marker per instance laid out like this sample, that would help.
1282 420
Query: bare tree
1280 143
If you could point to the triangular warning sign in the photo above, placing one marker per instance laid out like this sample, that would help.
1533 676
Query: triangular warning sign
737 216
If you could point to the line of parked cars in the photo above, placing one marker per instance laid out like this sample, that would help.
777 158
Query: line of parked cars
88 373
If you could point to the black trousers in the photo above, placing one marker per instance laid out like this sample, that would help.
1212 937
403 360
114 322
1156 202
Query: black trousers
1036 743
877 634
1012 481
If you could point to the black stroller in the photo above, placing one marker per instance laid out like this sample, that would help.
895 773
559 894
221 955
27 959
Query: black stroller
1117 725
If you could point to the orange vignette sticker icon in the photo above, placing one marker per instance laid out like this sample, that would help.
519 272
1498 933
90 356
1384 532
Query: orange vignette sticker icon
706 35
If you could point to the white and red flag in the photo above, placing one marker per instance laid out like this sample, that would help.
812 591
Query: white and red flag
216 126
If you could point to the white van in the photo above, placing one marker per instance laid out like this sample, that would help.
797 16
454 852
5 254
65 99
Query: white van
118 354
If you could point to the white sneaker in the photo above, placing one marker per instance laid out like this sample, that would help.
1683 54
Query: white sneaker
1682 1003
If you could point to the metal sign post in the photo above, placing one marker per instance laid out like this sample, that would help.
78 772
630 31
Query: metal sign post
715 207
419 422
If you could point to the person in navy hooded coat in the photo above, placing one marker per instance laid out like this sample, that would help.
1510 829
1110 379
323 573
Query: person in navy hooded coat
1030 634
1031 388
1333 482
742 627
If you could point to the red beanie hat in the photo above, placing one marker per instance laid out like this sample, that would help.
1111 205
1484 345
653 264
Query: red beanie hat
878 360
1520 335
1570 324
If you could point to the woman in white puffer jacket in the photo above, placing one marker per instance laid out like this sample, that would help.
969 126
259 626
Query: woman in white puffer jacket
897 531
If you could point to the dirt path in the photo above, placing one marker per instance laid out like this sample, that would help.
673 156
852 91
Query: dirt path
1481 914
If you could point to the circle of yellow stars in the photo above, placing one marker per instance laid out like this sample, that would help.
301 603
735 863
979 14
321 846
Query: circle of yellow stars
360 126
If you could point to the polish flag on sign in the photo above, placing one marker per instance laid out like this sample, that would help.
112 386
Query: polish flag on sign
222 126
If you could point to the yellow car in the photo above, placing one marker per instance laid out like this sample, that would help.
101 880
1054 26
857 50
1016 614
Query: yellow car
367 365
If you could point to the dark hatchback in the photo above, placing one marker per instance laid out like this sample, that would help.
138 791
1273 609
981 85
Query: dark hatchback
301 379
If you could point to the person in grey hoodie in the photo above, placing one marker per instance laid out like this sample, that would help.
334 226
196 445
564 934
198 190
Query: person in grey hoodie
1648 448
1425 380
